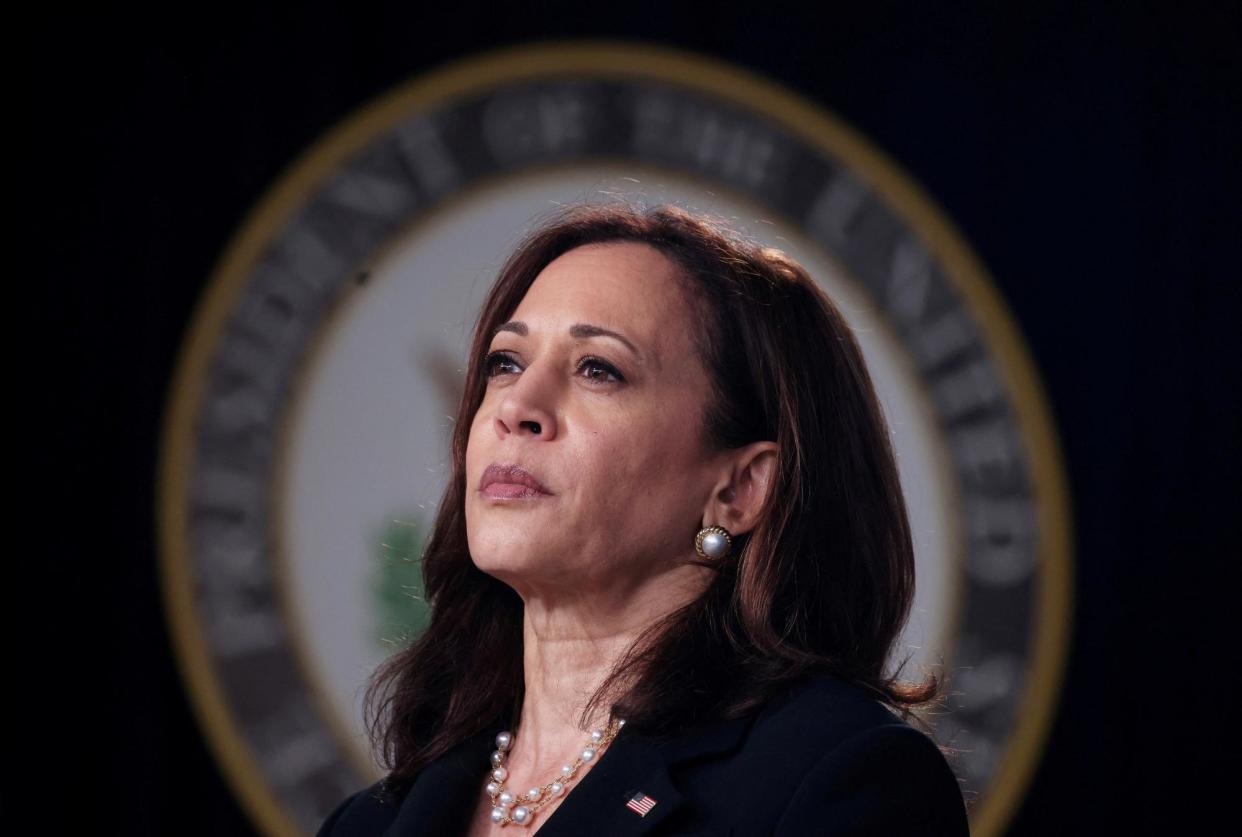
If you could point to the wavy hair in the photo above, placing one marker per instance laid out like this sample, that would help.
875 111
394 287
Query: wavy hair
823 583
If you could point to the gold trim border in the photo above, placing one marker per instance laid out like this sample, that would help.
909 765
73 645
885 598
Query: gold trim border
621 60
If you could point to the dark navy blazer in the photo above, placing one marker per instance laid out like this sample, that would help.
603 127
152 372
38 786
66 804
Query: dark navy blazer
824 759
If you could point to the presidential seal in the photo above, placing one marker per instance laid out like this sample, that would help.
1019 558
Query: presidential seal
306 433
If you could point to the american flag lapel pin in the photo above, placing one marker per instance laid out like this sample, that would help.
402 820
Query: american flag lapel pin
640 803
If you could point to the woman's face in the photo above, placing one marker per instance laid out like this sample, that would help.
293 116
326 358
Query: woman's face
609 425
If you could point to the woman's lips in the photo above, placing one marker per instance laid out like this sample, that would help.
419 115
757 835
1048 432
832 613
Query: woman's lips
511 482
511 490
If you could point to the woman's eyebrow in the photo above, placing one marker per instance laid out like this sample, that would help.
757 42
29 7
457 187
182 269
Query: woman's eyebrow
577 330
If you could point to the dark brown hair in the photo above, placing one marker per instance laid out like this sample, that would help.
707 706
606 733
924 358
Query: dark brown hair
823 583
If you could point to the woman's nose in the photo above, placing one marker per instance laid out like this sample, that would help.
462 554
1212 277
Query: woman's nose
527 408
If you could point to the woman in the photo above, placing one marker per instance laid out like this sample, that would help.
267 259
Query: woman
670 566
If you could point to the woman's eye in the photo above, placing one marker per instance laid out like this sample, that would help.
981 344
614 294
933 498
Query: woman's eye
594 367
493 362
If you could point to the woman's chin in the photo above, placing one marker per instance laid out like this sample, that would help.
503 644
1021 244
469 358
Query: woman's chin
523 575
506 562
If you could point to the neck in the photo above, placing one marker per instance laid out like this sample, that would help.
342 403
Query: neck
564 665
569 648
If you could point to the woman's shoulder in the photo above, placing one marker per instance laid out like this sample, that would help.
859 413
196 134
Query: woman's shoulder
368 811
445 785
826 714
822 709
845 756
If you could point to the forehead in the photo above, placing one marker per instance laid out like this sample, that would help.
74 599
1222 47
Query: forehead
625 286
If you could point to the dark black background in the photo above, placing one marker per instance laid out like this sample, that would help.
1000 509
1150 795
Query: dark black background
1087 154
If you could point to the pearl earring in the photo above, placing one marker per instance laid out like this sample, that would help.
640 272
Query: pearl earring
713 542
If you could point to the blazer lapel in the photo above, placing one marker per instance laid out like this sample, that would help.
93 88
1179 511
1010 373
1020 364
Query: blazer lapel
635 764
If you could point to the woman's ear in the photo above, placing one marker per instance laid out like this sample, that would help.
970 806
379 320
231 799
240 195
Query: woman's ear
738 500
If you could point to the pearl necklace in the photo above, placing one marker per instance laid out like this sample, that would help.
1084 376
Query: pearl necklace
536 798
